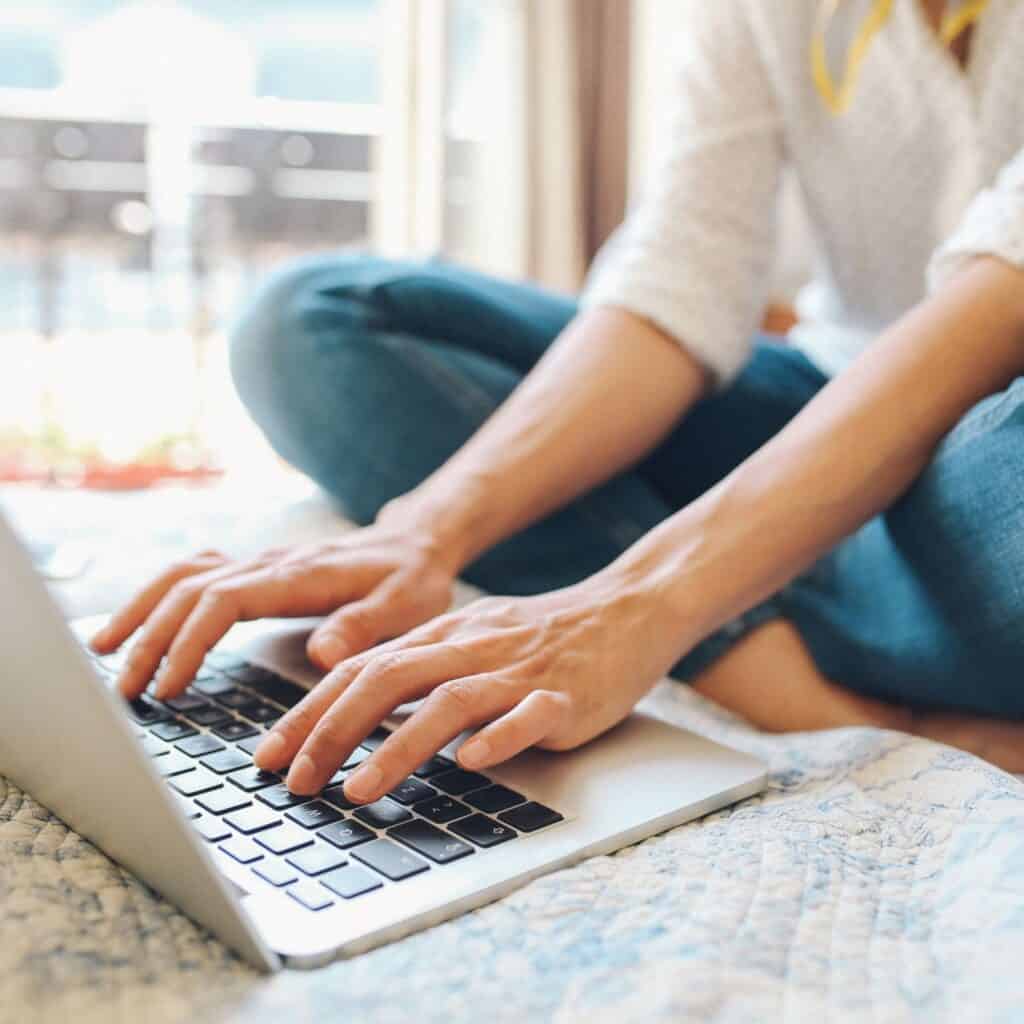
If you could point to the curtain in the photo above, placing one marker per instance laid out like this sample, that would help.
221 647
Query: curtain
576 115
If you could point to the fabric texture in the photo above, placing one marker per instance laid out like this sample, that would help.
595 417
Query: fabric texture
367 374
878 878
915 163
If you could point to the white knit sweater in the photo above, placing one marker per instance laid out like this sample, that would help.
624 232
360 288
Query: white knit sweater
925 170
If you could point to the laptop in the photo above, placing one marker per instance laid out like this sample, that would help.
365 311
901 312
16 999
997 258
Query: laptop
169 791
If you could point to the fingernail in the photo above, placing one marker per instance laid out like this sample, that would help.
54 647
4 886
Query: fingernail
474 753
161 690
270 749
302 774
363 783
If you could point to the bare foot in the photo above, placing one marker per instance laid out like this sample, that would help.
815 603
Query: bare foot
770 679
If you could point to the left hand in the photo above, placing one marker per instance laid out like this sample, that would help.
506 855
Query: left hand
553 671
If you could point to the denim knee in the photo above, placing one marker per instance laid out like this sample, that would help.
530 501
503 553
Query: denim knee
270 346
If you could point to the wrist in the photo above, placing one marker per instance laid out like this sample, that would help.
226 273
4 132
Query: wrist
686 568
448 521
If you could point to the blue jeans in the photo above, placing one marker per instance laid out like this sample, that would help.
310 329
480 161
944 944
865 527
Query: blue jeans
367 374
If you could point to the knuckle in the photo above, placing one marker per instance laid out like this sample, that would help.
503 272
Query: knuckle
184 590
548 702
219 595
356 625
328 735
386 665
457 695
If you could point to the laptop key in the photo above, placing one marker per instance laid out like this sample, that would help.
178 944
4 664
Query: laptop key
315 860
213 830
250 743
146 711
225 761
412 791
152 746
390 859
530 817
174 763
188 701
199 746
351 881
346 834
494 799
357 757
211 687
375 739
171 731
310 895
284 838
248 673
482 830
234 730
280 797
208 716
276 873
313 815
252 819
186 806
432 767
459 781
259 711
224 660
245 851
194 782
223 800
431 842
233 698
335 796
441 809
253 778
383 813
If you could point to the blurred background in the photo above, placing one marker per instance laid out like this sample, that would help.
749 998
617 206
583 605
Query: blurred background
157 156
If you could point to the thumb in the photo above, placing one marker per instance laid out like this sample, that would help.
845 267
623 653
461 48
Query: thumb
355 627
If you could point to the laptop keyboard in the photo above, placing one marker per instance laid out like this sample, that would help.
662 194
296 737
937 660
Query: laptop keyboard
318 849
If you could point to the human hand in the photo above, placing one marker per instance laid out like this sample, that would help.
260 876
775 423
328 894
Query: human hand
373 584
552 671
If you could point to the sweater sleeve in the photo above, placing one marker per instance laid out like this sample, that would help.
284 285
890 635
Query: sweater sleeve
992 226
695 253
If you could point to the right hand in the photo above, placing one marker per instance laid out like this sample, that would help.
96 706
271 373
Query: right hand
373 584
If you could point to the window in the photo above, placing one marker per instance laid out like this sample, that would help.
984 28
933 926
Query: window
157 156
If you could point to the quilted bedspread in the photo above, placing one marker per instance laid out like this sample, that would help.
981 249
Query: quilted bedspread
878 878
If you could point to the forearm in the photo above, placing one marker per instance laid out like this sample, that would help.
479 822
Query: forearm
605 393
848 455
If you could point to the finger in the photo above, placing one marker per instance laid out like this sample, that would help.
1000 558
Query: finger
261 592
385 613
157 632
283 741
451 707
533 719
386 682
124 622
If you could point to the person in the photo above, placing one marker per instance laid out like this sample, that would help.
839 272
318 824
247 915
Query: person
823 533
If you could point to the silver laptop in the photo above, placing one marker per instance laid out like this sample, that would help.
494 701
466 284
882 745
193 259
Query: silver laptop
169 791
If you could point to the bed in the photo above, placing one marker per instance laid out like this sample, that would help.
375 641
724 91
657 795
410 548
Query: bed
879 877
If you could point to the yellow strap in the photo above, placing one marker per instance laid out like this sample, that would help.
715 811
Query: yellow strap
838 98
955 24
